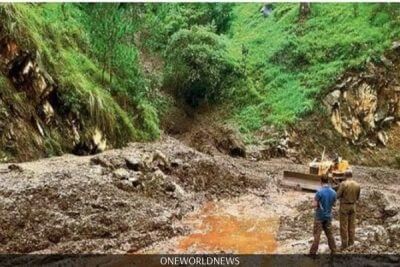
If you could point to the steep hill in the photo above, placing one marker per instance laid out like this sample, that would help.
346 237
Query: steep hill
82 78
292 60
57 96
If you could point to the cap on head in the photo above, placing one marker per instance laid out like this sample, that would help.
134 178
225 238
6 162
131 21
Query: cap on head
348 174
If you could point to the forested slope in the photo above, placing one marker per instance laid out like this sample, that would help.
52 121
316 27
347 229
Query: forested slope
112 72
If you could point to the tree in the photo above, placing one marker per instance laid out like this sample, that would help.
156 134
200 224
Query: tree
199 67
111 25
304 11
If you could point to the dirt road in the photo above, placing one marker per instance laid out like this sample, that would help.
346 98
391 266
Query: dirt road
166 197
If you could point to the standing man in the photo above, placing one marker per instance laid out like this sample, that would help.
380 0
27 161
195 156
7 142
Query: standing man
348 193
324 200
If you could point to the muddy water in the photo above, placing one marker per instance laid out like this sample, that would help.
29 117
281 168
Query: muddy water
241 225
230 227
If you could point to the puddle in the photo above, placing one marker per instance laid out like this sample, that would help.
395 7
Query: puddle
245 225
231 227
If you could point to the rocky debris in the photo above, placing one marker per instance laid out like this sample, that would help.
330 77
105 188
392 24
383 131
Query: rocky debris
121 174
96 143
134 163
15 167
124 200
212 138
106 161
101 203
363 104
232 144
275 145
377 228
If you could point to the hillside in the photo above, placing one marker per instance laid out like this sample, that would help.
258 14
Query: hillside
103 75
291 62
58 95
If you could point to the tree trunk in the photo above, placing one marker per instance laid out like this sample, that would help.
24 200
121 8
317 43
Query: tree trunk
304 11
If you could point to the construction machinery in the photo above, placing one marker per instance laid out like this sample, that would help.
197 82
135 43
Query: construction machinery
311 181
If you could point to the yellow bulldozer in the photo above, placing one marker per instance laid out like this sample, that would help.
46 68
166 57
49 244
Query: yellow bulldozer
311 181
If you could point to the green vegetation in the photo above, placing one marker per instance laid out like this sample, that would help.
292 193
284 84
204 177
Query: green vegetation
291 62
264 70
68 39
199 67
281 64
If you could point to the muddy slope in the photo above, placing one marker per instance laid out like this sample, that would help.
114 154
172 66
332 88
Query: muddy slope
127 200
118 201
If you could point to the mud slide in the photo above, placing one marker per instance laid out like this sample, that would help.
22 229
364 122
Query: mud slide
165 197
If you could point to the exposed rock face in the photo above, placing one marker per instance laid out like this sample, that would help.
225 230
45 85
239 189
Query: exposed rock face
96 143
38 123
26 74
363 105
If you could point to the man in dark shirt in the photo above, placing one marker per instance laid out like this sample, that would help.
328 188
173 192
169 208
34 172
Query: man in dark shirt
324 200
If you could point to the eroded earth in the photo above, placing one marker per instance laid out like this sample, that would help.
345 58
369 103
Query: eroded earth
165 197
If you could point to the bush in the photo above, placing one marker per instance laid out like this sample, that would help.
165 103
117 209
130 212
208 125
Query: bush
199 67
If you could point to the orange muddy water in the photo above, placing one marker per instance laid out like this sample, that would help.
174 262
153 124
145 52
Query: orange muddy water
239 227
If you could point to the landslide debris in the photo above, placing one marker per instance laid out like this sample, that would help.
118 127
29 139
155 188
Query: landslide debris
126 200
116 202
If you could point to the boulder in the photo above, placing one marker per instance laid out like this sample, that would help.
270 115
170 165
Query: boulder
15 167
396 45
121 173
96 144
160 159
99 142
332 98
46 112
134 163
134 180
383 138
386 62
176 163
394 233
391 210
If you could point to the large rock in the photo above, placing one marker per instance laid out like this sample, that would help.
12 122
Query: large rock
95 144
46 112
362 104
332 98
26 74
121 173
383 138
134 163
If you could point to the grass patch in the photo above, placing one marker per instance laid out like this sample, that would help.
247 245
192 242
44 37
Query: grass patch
57 31
291 63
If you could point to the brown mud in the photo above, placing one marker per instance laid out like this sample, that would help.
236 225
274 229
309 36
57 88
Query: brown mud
165 197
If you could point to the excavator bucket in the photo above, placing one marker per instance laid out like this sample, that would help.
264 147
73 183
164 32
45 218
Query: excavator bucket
301 181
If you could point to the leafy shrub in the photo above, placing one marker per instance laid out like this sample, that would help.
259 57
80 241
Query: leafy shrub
199 67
